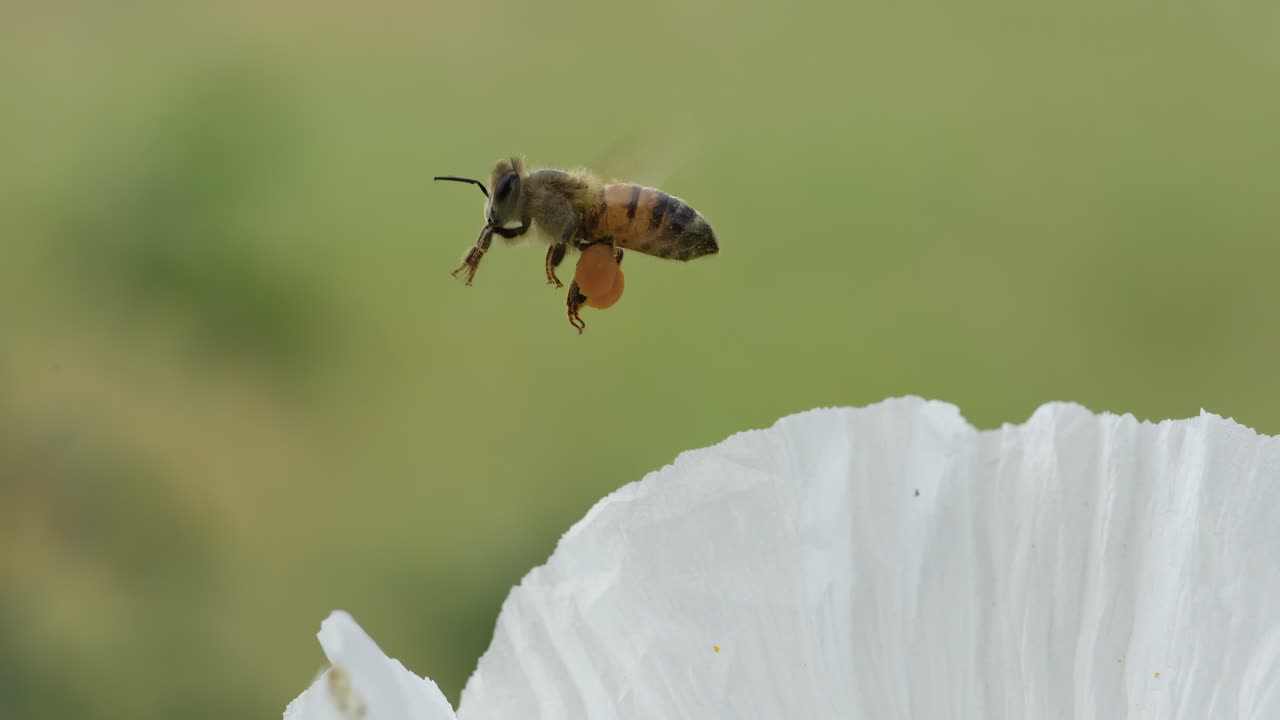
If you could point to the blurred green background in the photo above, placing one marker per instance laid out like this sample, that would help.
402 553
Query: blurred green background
238 387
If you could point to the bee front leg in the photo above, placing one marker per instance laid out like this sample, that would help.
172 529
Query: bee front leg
574 302
555 255
471 263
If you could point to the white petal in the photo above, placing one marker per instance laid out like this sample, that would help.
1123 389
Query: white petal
364 683
894 562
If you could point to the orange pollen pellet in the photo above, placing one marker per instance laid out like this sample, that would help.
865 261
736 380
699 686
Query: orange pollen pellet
607 299
598 276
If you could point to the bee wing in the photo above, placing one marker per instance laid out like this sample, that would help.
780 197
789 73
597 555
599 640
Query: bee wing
650 155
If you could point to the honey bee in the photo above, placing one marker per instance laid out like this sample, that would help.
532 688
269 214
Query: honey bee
575 210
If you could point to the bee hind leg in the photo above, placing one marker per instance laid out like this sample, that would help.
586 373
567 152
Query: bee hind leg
555 255
584 243
574 302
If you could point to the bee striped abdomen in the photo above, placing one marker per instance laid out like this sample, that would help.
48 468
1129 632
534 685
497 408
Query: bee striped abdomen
652 222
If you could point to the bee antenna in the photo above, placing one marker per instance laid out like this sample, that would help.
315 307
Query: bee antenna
477 183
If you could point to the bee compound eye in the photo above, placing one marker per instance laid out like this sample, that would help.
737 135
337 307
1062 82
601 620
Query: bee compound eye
505 186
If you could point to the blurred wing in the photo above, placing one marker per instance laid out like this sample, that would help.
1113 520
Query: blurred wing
650 155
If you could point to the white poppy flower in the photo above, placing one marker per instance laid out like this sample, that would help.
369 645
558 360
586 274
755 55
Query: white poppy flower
893 562
362 682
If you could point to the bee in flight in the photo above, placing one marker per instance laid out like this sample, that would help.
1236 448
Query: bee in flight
577 211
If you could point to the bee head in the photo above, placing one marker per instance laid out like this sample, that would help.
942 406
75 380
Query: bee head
504 211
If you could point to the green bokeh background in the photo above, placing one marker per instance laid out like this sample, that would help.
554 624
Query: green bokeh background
238 387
